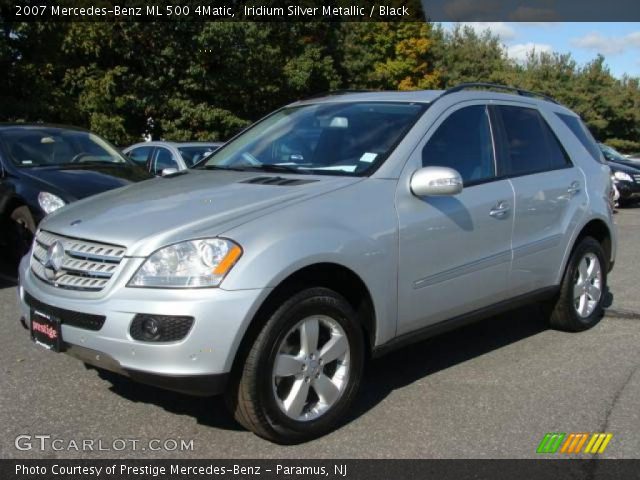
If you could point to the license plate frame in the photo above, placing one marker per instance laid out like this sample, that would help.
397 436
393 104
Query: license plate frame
46 330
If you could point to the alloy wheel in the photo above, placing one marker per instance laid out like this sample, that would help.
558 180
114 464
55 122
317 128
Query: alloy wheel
311 369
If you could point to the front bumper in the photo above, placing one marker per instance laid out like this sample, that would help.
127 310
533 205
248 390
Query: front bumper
198 364
628 190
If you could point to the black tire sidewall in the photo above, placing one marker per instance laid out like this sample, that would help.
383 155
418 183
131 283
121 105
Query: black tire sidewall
21 230
587 245
303 305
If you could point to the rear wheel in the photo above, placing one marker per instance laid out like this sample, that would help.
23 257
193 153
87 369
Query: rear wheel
579 305
303 371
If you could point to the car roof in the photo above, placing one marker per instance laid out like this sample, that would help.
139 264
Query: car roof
11 125
460 93
417 96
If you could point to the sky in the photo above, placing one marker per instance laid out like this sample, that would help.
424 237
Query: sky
619 42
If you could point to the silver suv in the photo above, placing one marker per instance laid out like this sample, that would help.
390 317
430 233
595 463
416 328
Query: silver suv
333 230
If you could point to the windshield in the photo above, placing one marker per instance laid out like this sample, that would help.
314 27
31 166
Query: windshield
192 155
39 147
612 154
326 138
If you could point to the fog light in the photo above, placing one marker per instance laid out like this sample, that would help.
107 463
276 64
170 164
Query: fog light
160 328
150 328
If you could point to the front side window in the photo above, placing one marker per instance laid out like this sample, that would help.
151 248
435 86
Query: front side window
463 142
528 144
163 159
43 146
326 138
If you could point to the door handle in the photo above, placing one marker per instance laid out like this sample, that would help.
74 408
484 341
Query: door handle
573 188
500 209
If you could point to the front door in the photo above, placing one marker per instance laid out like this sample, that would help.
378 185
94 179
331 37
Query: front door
454 251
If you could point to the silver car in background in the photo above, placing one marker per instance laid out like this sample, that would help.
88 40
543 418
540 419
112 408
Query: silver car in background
333 230
159 156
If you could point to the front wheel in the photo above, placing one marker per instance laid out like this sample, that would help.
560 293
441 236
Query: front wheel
579 304
303 371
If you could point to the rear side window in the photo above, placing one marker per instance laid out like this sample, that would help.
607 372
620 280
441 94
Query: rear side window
463 142
583 134
528 145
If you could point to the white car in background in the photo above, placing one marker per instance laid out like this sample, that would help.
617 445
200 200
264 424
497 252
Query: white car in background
161 156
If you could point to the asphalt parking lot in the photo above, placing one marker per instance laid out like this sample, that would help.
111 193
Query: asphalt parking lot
491 390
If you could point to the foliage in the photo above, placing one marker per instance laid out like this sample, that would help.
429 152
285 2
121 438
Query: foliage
205 81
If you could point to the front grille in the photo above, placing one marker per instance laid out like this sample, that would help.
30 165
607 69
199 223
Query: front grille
86 265
636 178
87 321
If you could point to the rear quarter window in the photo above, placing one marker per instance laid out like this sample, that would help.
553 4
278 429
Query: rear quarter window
583 134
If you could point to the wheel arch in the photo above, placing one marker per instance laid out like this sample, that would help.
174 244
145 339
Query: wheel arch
334 276
599 230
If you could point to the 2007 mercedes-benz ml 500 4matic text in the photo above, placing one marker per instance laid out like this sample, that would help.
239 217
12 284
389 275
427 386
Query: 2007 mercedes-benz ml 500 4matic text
333 230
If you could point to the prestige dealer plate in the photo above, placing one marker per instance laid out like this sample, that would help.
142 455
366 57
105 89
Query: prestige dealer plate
46 331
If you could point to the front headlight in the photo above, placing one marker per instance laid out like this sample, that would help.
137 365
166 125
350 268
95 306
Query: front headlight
191 264
50 202
622 176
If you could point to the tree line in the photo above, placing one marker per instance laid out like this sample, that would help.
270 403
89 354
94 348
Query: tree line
205 81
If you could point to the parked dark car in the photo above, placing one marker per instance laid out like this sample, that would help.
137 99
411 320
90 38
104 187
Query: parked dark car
625 173
43 167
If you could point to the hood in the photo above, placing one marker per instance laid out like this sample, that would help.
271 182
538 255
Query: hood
193 204
626 167
74 182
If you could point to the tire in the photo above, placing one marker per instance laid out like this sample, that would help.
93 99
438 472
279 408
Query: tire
259 398
576 314
21 230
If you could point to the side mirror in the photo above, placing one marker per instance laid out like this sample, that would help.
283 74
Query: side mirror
435 181
168 171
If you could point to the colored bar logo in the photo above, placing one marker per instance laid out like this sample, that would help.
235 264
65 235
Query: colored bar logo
574 443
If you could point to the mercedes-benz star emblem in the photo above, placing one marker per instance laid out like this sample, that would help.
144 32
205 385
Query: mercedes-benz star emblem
53 260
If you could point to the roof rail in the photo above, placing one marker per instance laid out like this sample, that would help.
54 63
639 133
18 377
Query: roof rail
339 92
495 86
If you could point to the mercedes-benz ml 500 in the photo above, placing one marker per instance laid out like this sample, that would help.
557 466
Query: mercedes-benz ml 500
331 231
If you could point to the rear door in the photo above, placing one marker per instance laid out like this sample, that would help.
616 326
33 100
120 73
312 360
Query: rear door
549 194
454 251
